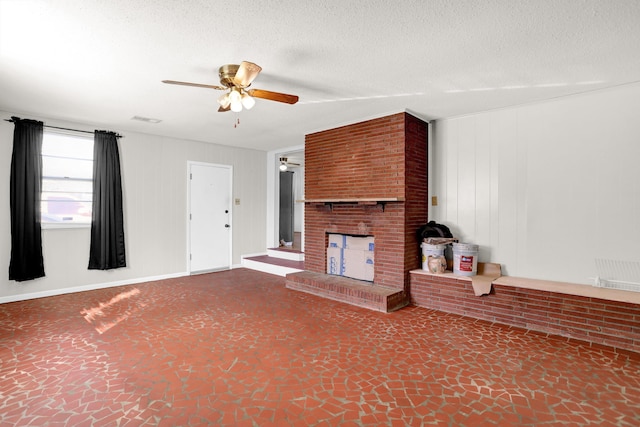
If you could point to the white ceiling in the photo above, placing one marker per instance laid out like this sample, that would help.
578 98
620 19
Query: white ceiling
101 62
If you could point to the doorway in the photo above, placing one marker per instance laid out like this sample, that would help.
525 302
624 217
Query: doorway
287 204
209 217
290 196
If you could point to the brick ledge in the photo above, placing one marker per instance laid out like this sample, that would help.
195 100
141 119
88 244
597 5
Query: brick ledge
588 291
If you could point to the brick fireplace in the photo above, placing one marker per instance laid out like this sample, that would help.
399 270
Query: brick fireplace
366 179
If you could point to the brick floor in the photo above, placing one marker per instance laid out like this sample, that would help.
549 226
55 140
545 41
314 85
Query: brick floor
237 348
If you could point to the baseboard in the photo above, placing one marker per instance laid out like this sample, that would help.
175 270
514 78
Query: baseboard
62 291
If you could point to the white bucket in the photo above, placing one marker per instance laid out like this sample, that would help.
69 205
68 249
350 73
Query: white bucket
465 259
430 250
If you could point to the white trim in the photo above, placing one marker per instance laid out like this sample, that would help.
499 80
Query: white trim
83 288
63 226
264 267
291 256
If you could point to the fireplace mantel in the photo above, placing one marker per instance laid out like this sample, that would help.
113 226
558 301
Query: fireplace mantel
363 200
381 201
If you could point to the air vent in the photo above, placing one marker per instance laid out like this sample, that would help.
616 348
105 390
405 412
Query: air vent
145 119
617 274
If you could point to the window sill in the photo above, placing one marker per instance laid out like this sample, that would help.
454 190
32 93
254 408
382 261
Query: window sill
62 226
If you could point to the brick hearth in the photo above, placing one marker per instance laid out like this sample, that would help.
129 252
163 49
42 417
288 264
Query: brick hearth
368 178
355 292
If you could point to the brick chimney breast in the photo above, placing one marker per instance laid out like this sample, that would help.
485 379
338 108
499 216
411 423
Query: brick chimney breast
368 178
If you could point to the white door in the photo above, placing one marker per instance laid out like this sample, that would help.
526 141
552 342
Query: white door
209 217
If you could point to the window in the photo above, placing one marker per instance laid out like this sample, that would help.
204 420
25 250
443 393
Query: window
67 180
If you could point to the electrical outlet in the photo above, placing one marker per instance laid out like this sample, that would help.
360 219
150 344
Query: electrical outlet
237 201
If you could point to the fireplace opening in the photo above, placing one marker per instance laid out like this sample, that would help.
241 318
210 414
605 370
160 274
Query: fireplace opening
351 256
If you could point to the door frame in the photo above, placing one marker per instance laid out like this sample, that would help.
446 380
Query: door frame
273 194
188 209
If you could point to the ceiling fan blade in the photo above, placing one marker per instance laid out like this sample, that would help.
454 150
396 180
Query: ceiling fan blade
246 73
173 82
273 96
223 110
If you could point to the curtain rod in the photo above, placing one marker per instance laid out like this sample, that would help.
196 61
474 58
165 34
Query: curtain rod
72 130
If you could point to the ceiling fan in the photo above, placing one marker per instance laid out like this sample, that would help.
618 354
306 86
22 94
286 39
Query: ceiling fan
285 163
236 79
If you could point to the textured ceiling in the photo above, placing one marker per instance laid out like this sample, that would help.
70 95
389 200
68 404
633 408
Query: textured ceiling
101 62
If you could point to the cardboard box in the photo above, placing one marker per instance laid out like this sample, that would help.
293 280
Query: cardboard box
353 262
337 241
358 264
359 243
350 256
335 263
368 266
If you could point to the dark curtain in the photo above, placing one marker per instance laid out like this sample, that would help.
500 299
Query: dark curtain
25 185
107 226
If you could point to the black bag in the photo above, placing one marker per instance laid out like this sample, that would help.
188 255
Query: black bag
433 229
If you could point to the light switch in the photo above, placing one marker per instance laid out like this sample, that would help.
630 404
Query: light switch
434 200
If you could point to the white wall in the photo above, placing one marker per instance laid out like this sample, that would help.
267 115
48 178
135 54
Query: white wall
155 198
546 188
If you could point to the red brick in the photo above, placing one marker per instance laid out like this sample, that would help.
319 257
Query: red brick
571 316
380 158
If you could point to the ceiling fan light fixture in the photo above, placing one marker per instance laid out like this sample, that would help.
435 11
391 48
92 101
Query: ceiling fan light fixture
234 95
236 106
283 167
235 100
247 101
224 100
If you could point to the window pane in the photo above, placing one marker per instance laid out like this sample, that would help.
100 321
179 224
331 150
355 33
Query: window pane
61 145
66 168
53 185
65 207
67 186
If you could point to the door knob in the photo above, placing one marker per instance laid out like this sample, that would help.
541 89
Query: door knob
227 226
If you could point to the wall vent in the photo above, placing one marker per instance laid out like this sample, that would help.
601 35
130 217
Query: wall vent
616 274
145 119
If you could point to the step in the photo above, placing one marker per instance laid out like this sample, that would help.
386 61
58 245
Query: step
272 265
351 291
286 253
